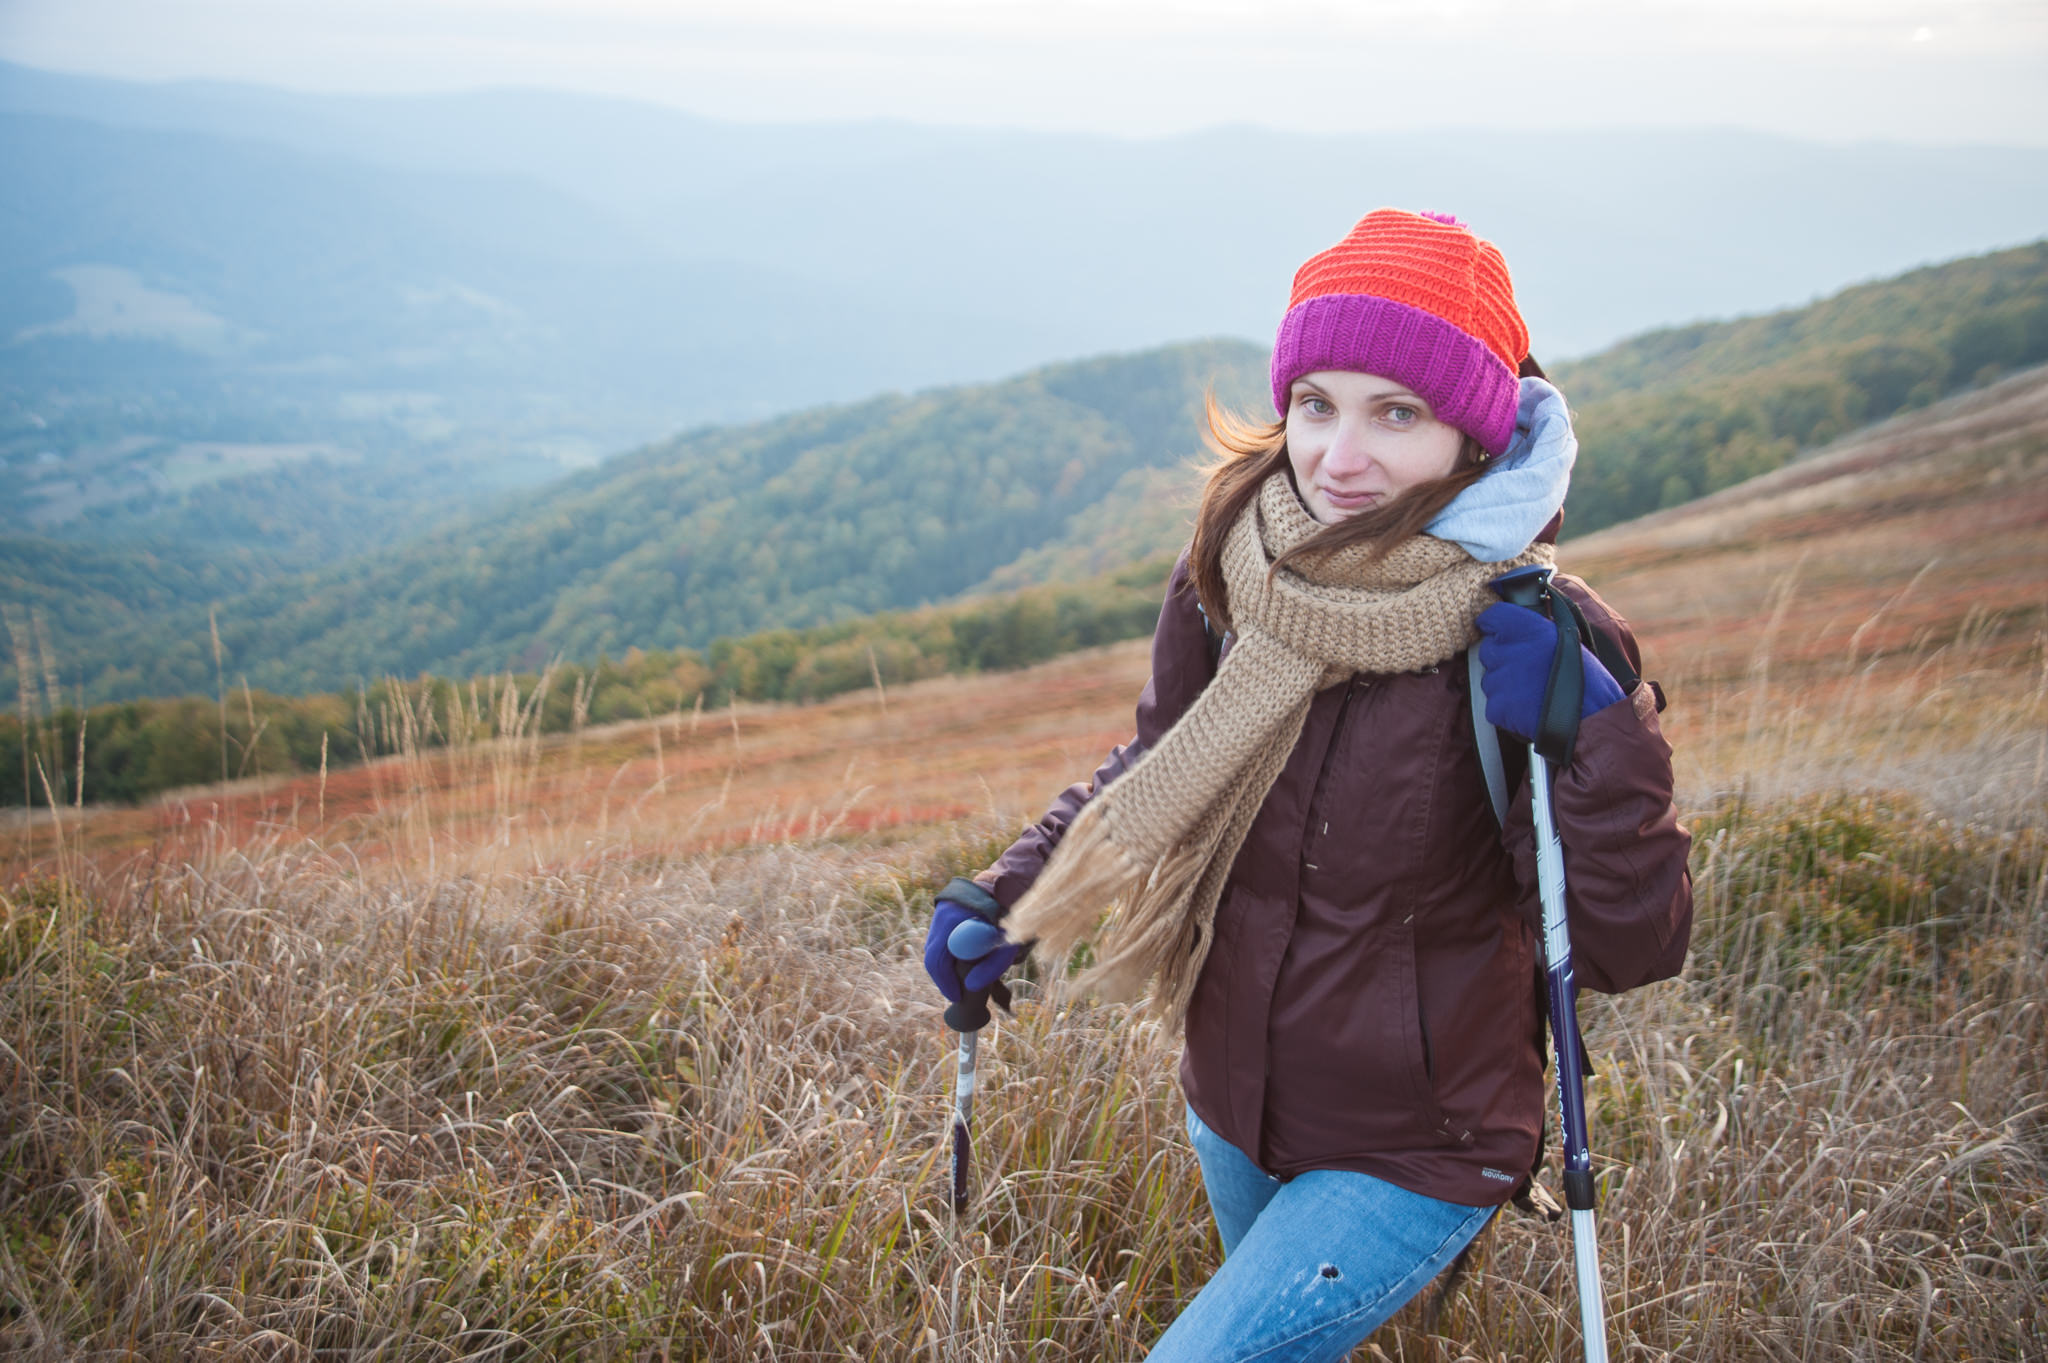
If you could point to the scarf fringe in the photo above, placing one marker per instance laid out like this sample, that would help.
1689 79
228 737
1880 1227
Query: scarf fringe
1148 930
1087 870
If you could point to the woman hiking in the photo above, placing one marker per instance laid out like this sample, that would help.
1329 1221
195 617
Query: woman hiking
1309 873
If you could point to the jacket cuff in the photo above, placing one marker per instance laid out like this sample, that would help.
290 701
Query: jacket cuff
971 897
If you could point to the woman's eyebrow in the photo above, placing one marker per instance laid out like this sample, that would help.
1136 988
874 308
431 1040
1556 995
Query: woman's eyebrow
1396 391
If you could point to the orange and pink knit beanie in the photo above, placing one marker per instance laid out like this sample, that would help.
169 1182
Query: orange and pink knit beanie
1415 297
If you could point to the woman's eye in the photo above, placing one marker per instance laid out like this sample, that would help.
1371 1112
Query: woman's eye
1317 406
1402 415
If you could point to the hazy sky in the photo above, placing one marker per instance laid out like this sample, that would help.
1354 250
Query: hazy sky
1918 70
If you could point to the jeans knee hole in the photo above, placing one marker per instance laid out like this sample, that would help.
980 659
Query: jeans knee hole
1330 1271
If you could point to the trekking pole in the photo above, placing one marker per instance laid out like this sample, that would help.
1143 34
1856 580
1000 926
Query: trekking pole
972 939
1531 587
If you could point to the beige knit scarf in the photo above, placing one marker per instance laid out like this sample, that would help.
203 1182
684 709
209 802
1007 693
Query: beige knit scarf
1160 840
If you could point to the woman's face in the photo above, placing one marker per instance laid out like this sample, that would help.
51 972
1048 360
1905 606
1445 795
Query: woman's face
1357 441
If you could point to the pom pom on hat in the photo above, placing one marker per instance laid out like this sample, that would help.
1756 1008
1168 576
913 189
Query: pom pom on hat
1419 298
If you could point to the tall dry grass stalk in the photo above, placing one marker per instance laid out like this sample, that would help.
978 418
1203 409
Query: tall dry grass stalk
42 738
220 686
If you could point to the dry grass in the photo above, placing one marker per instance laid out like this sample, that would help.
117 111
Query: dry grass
943 750
264 1104
618 1047
1871 617
267 1103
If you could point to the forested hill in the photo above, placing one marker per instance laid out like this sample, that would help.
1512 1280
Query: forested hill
820 516
902 500
1674 414
1964 480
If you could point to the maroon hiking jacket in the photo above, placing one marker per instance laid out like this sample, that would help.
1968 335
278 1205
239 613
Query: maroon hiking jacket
1372 1000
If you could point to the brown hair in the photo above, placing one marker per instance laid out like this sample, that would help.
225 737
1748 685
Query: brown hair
1248 452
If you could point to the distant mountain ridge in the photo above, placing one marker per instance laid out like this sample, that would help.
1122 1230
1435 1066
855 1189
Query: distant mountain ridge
1125 243
449 335
436 298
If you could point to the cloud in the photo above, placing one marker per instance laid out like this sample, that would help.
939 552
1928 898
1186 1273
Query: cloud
1817 68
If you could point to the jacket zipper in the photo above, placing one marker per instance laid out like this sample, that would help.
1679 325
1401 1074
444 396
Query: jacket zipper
1351 689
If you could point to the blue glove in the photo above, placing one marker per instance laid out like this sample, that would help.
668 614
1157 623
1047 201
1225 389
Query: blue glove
1515 648
964 951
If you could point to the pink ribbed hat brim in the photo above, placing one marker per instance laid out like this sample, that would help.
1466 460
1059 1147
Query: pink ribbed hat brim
1464 382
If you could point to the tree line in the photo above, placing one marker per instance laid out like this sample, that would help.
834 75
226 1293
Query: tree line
128 751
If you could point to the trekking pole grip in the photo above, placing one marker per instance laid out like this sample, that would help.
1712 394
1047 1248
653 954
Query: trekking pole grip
970 941
971 1013
1564 692
1523 587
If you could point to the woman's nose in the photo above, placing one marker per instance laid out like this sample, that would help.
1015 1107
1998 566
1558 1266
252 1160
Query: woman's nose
1347 452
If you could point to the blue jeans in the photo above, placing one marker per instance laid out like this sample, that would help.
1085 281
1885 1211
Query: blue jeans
1310 1266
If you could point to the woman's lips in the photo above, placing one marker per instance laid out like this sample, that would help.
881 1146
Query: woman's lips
1349 501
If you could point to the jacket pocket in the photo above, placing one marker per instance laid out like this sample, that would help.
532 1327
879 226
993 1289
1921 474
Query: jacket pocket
1414 1029
1212 1024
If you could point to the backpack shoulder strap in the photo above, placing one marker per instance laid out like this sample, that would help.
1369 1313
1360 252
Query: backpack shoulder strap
1212 638
1488 739
1606 648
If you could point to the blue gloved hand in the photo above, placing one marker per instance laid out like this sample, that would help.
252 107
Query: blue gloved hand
1515 648
963 950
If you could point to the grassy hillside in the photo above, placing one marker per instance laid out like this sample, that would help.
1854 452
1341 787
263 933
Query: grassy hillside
629 1107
